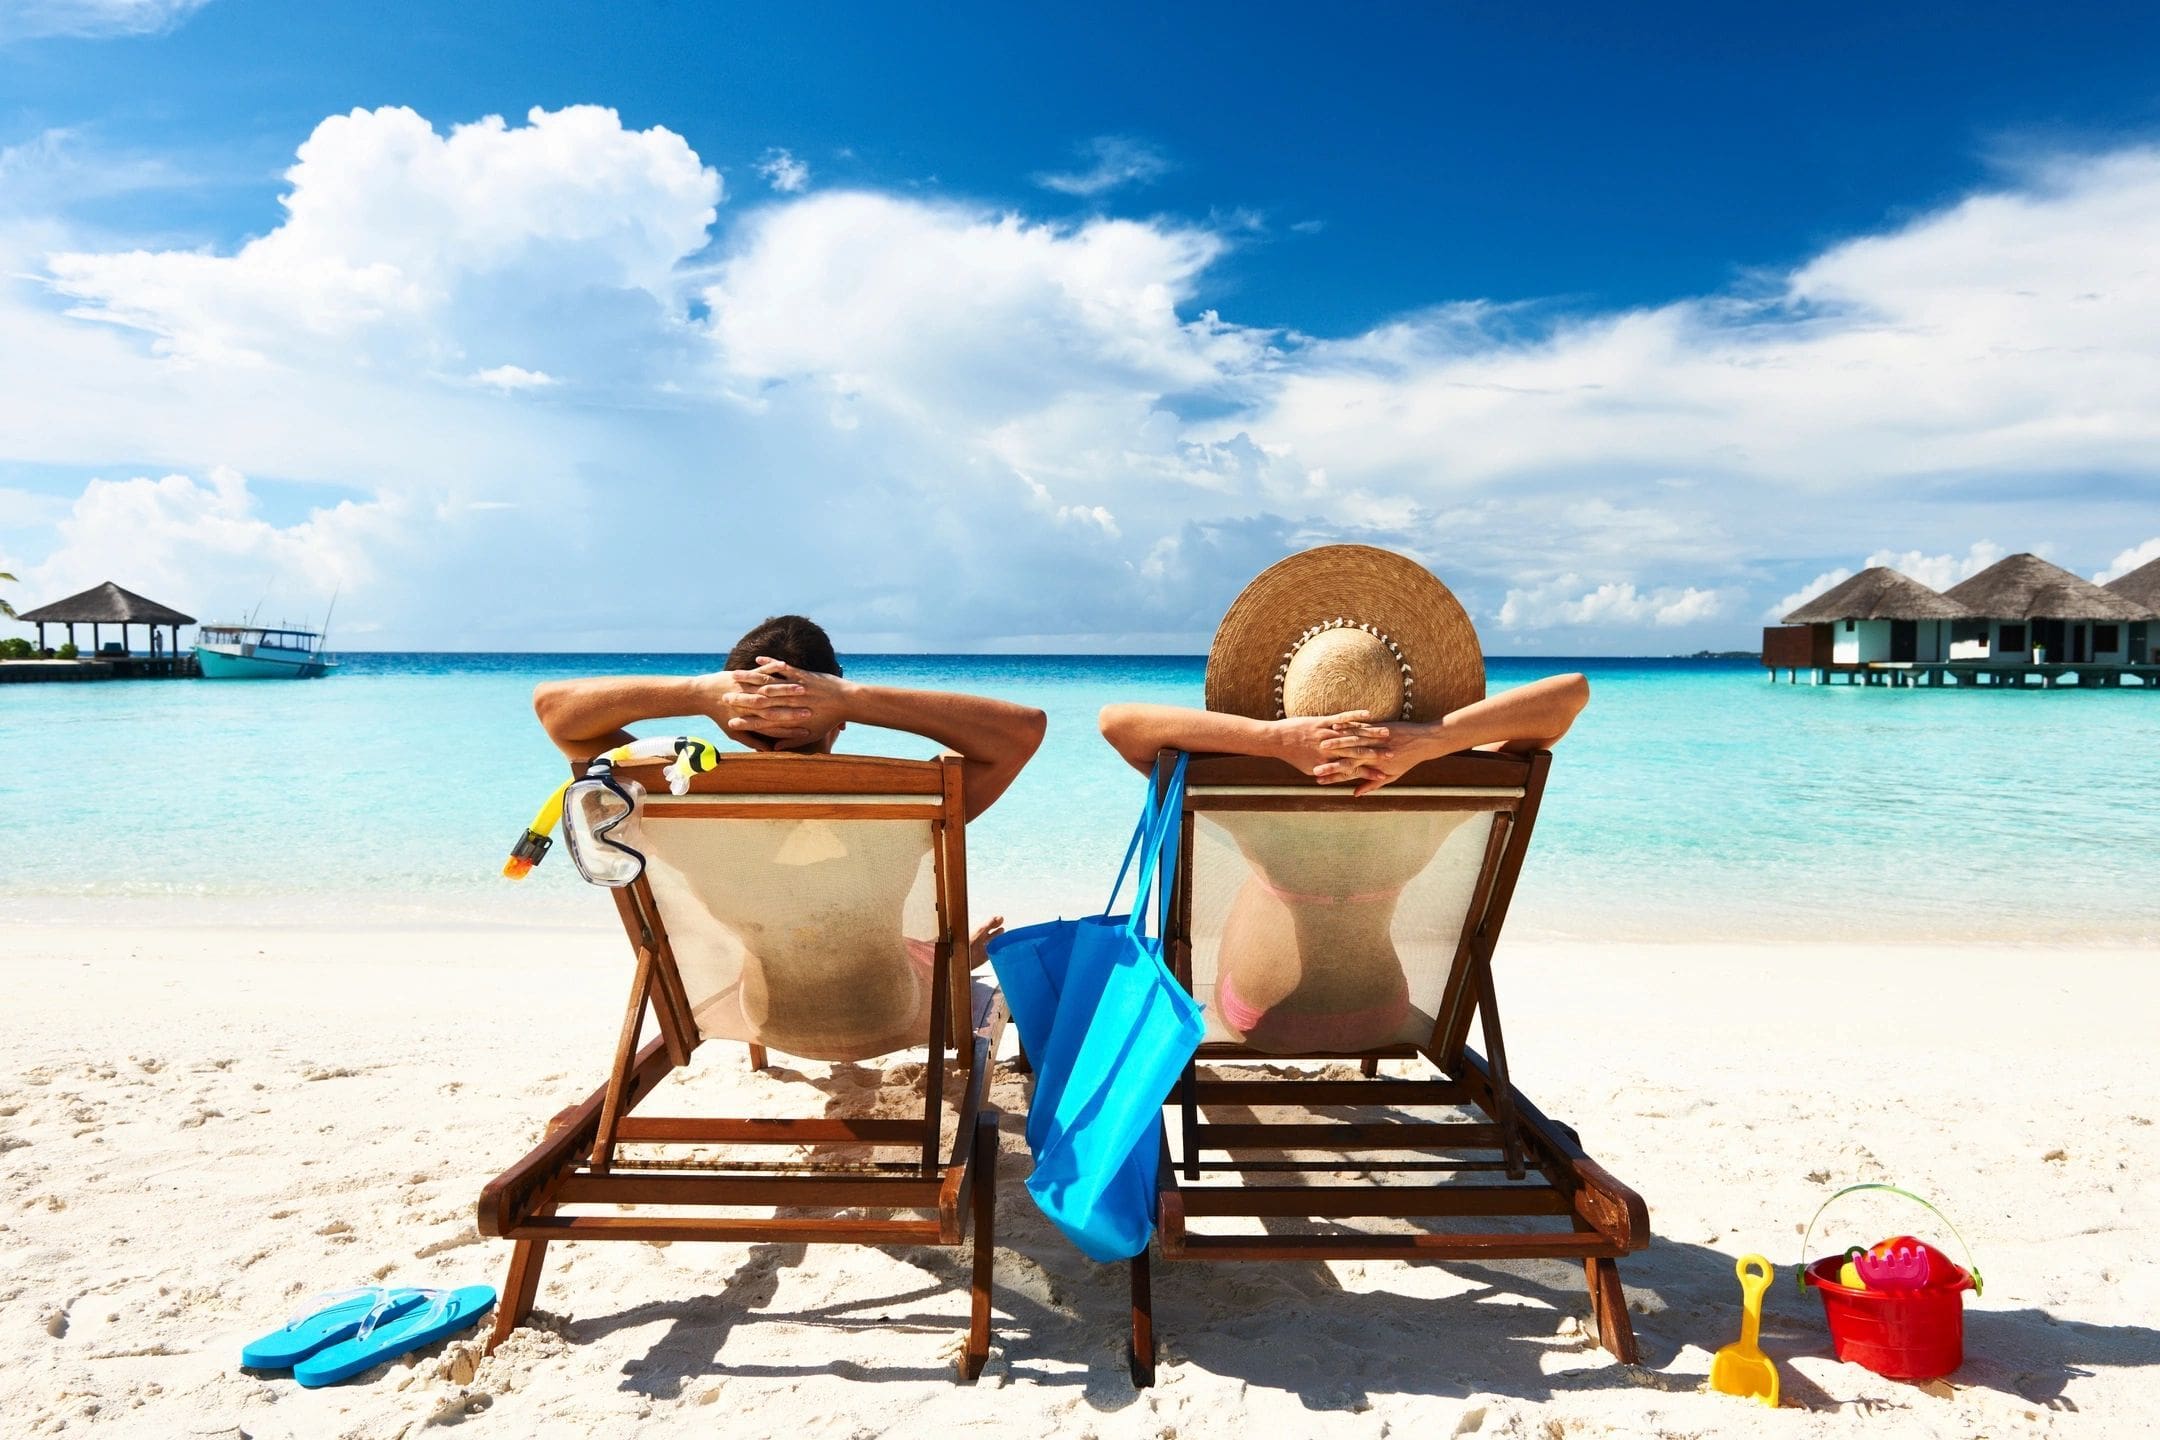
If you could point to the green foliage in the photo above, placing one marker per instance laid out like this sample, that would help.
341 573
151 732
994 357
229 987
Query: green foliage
5 608
16 648
67 651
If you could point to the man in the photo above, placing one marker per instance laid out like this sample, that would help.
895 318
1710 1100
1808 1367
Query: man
782 690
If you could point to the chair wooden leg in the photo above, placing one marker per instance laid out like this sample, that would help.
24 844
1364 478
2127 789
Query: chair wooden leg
757 1057
518 1290
1503 1089
1143 1323
1608 1303
977 1352
1369 1066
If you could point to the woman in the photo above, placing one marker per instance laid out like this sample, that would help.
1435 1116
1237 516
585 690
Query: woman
1352 664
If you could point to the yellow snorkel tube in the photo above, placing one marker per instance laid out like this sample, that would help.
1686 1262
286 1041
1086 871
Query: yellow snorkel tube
686 755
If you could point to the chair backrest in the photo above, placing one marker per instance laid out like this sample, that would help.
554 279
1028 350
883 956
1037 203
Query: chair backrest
809 903
1310 921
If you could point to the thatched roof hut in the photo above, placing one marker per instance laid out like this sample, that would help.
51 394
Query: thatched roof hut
106 604
2025 587
103 605
1878 593
2141 587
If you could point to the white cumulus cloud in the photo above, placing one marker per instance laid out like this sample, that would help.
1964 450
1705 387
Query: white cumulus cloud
163 536
1789 603
2129 560
784 172
389 225
981 424
1937 572
1564 601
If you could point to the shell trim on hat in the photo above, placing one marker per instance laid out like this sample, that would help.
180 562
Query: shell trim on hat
1409 678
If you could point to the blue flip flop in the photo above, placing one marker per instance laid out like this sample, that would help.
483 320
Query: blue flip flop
445 1313
326 1320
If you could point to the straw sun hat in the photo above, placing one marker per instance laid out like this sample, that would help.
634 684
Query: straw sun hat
1345 627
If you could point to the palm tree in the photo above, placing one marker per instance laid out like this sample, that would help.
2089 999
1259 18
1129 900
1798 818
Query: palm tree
5 608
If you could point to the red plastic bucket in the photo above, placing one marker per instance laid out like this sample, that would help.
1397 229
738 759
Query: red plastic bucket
1902 1334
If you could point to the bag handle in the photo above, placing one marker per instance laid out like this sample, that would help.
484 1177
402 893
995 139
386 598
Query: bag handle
1800 1275
1143 832
1158 867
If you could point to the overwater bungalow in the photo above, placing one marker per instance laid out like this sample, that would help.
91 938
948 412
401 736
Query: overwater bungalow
2035 613
2141 587
1879 616
2020 620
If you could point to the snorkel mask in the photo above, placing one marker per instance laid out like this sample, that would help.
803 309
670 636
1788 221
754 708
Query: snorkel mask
599 812
599 824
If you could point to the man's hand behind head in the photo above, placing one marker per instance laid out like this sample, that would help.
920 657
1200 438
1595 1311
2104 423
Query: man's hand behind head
776 706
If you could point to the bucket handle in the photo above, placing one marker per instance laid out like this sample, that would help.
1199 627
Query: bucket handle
1800 1275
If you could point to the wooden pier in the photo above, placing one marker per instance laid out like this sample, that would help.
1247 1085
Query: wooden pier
1904 674
110 667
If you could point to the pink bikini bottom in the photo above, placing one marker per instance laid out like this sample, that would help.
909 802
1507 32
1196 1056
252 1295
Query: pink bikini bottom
1289 1031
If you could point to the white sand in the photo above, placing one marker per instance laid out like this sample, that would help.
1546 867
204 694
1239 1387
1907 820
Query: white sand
199 1127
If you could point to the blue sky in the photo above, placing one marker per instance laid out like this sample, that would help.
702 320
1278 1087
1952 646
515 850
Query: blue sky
1047 327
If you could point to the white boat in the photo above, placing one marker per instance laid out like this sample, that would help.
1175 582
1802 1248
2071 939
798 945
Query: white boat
256 652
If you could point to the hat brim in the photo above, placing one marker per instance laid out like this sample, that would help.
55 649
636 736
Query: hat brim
1360 584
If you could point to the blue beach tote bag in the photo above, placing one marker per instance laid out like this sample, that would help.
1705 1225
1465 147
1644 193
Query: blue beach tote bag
1109 1030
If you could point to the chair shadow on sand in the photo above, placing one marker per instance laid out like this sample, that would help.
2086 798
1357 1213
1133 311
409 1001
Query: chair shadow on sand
1506 1333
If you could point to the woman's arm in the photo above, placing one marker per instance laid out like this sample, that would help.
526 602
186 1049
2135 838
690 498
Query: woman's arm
1529 717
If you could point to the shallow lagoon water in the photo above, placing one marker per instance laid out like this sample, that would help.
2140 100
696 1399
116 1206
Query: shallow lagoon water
1694 799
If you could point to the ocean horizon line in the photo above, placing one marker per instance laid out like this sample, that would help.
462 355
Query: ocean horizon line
1732 656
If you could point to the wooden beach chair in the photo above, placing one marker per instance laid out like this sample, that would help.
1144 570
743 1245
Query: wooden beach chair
843 855
1267 852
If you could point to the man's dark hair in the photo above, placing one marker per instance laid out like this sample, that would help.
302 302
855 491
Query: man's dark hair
799 641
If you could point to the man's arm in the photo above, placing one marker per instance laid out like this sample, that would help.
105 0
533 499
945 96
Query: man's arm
993 738
586 717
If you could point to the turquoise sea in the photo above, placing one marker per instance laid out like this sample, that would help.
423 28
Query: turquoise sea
1693 799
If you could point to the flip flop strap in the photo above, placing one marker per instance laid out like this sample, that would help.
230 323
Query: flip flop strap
438 1302
315 1305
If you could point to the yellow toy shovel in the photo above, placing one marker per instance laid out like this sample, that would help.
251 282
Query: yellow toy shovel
1741 1368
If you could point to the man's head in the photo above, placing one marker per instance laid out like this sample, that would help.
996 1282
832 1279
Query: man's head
799 641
